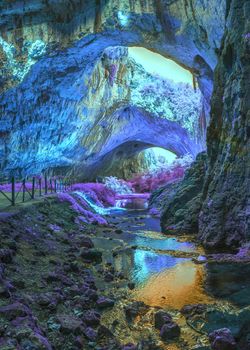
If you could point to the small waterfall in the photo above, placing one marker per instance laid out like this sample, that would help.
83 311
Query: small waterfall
98 209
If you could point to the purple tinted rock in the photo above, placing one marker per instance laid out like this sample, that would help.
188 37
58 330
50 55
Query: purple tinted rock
6 255
104 332
129 347
222 339
104 302
108 277
91 294
92 318
134 309
69 324
91 255
53 277
196 309
13 311
90 333
162 317
169 331
86 242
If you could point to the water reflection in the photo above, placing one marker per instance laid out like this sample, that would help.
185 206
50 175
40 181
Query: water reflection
179 285
147 263
163 244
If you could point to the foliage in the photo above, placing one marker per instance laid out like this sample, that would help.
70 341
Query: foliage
150 181
99 193
85 216
117 185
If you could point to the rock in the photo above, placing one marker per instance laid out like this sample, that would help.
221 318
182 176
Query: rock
86 242
181 202
6 255
90 294
222 339
90 334
148 345
13 311
131 285
103 303
191 310
104 332
118 231
134 309
91 255
92 318
162 317
4 291
129 346
69 324
52 277
170 331
108 277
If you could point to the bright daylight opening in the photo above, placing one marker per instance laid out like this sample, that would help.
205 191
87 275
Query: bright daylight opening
155 63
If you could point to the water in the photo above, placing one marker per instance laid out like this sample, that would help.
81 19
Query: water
148 263
165 276
98 208
151 260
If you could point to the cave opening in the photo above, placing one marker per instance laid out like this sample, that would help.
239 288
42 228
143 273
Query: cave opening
156 109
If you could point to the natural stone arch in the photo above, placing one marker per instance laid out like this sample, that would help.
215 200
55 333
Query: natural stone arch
55 91
136 130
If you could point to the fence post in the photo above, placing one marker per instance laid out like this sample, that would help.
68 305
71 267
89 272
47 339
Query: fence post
51 186
33 188
23 190
55 185
13 187
46 184
40 187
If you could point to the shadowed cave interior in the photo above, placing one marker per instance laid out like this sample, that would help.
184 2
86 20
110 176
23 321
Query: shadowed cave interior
124 175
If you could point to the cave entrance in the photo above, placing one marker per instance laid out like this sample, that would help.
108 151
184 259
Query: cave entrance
146 100
161 66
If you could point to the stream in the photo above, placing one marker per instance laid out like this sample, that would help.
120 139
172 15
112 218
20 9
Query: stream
164 272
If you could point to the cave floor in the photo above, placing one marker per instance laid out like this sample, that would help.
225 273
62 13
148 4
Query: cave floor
65 286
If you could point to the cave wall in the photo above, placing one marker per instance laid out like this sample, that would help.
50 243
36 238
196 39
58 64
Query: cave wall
62 94
224 219
221 201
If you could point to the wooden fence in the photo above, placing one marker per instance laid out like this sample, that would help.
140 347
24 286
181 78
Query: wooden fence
31 188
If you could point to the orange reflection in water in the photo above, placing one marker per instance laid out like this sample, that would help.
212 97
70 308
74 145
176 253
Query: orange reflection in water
175 287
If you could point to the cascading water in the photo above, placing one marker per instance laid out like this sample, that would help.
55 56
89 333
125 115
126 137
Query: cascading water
97 208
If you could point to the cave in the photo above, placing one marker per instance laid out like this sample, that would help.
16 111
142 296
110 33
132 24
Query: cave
124 175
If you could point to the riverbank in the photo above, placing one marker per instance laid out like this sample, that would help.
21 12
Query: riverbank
70 285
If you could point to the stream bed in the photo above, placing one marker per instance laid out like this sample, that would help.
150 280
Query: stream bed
164 272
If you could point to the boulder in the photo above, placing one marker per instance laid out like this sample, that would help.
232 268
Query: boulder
91 255
162 317
222 339
170 331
